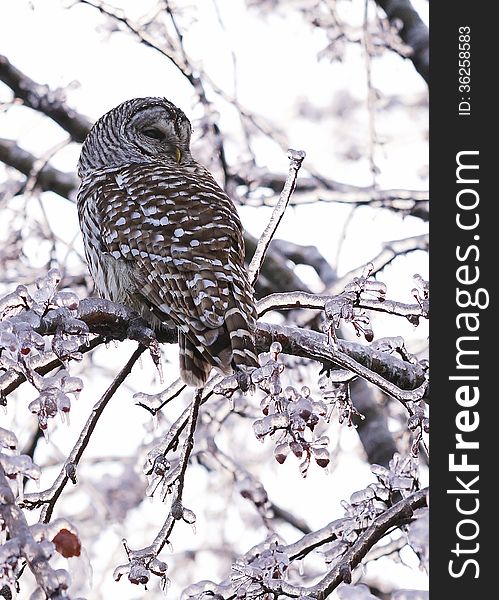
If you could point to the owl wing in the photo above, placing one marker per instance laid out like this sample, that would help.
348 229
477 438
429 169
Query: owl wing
183 237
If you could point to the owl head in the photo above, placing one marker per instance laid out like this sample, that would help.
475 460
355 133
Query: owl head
141 130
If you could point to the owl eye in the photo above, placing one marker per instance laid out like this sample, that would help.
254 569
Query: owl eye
153 133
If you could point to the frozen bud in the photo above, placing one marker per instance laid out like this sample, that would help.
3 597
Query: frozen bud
9 341
297 423
21 463
296 448
312 421
35 405
138 574
67 300
264 372
281 452
158 567
8 439
227 386
303 408
291 394
67 543
53 277
321 456
119 571
49 402
65 348
426 425
63 402
71 472
177 510
265 405
323 440
361 496
188 516
413 422
275 349
161 465
320 408
72 385
368 333
382 492
305 391
270 424
379 471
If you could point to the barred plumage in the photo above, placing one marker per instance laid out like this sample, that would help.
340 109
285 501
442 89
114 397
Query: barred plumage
162 237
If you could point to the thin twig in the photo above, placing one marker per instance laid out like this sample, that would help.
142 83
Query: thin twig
292 300
296 158
49 497
164 533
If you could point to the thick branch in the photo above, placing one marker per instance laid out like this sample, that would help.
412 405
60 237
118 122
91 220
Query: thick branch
43 99
49 179
414 32
399 379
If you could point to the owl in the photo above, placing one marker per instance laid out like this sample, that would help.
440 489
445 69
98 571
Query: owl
163 238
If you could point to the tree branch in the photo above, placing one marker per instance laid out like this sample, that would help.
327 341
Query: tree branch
48 498
401 380
35 555
414 32
296 158
399 514
48 179
43 99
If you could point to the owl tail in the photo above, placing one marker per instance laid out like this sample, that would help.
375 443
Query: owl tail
241 340
194 369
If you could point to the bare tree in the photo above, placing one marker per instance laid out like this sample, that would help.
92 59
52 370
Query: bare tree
317 385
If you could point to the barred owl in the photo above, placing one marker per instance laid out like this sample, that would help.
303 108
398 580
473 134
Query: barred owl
163 238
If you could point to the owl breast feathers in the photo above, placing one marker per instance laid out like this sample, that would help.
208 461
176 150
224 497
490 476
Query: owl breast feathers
163 238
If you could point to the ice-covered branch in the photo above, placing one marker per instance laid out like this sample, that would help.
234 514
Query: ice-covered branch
306 255
402 380
48 498
22 545
144 561
399 514
292 300
295 160
346 540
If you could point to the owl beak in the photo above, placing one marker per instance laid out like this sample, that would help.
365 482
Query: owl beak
178 155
